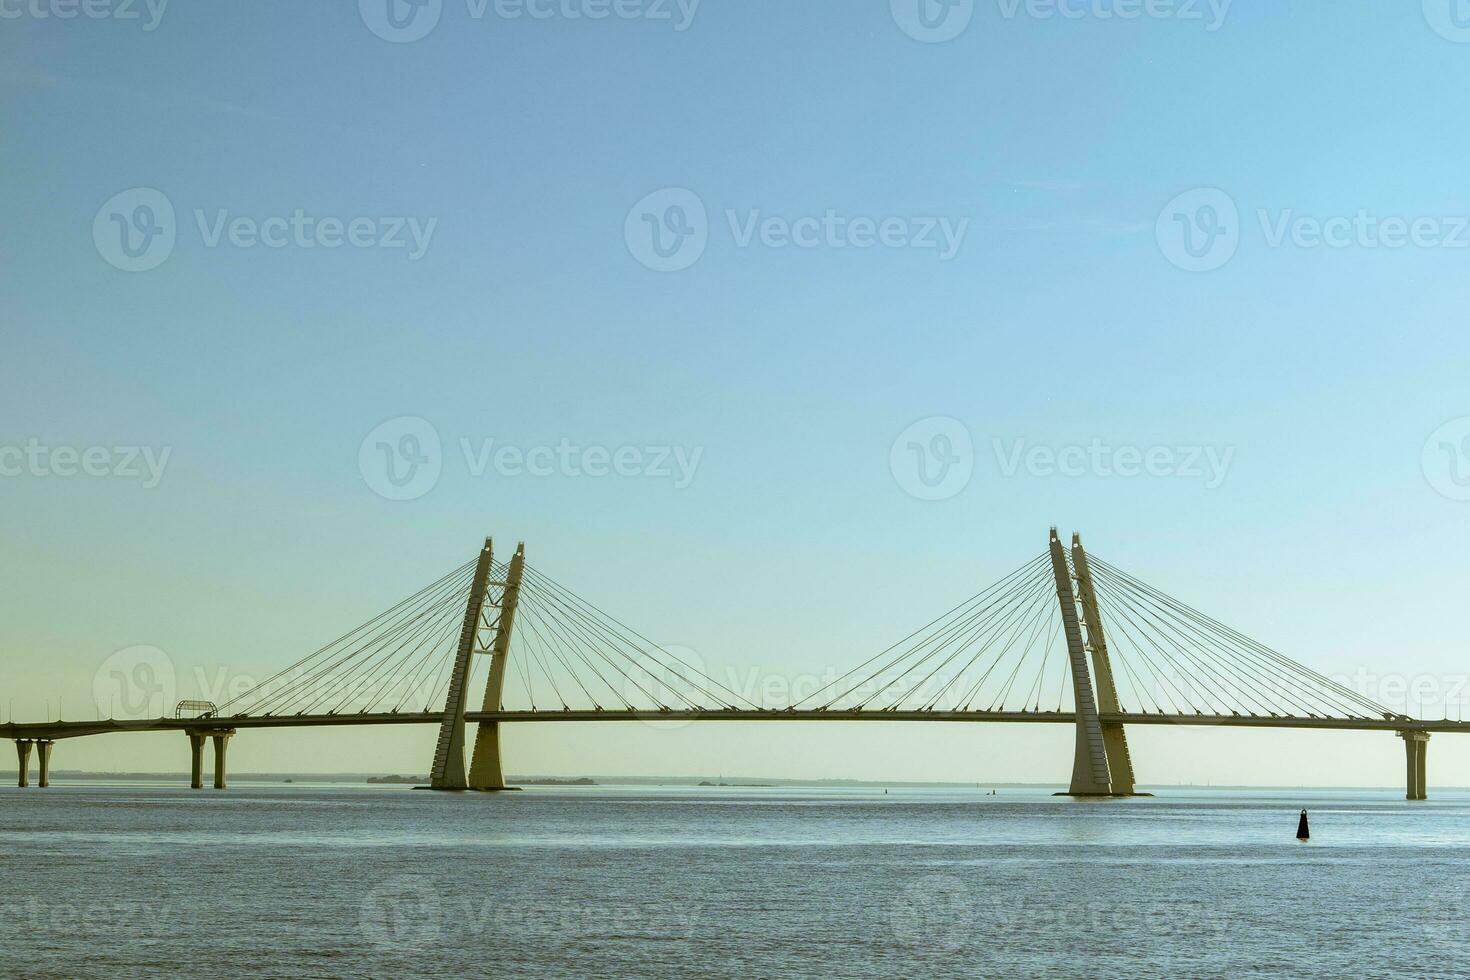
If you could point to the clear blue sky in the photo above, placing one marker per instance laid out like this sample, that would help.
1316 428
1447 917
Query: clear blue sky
528 320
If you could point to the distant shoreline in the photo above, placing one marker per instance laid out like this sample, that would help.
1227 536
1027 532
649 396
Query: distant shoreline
732 782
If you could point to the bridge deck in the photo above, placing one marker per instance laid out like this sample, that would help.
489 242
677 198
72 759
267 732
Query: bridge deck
74 729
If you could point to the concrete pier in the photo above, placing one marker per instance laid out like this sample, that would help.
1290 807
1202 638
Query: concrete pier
197 738
43 761
1416 745
196 760
221 740
23 750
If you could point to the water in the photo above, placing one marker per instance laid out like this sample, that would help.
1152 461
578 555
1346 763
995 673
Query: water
332 881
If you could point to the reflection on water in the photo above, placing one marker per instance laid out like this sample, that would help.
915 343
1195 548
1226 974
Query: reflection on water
130 879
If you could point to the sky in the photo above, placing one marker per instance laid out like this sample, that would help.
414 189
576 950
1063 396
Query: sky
300 302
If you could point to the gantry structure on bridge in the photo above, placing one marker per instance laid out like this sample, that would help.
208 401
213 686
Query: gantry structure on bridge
1066 638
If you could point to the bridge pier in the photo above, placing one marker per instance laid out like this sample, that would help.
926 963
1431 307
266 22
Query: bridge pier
486 774
43 761
23 750
221 741
196 760
197 738
1416 745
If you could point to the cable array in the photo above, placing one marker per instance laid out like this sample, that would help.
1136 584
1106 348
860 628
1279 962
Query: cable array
1001 650
569 654
564 654
1169 658
398 660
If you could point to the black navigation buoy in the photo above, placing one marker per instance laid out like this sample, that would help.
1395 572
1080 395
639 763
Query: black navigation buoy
1302 833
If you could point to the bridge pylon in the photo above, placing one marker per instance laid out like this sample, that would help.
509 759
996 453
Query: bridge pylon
1091 773
1115 742
486 773
447 772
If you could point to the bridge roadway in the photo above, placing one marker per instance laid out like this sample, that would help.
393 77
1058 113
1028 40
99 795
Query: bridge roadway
50 731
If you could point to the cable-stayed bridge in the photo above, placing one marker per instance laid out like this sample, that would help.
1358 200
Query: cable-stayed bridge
1066 638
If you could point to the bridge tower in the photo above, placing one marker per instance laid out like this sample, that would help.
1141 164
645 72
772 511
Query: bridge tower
485 771
1090 776
1120 764
448 769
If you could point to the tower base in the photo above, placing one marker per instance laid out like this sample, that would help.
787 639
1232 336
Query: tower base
1101 796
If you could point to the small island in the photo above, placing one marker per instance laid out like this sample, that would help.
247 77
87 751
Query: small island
555 781
544 781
